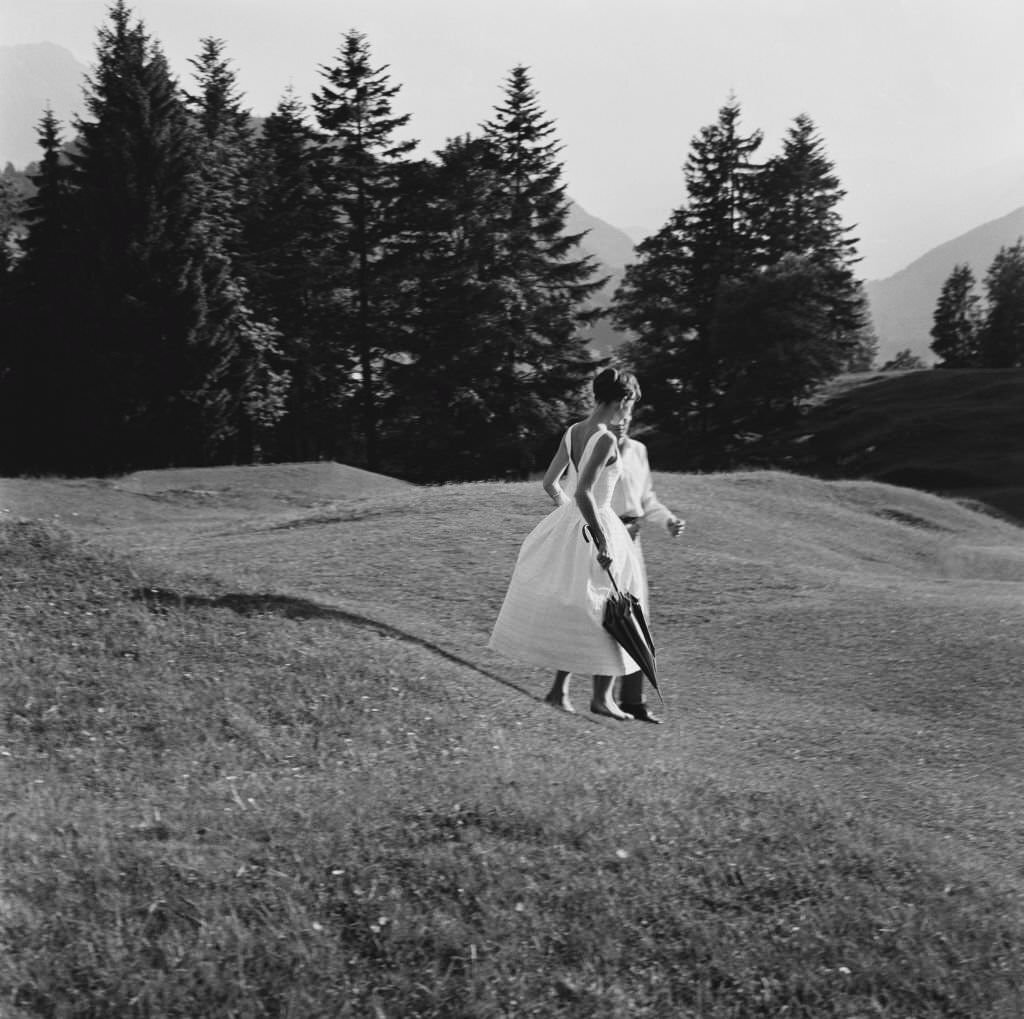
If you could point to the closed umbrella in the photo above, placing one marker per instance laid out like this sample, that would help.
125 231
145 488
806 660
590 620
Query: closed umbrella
624 620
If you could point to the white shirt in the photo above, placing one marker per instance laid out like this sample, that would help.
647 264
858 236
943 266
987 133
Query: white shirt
634 495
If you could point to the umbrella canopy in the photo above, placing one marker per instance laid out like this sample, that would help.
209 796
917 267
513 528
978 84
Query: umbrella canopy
624 620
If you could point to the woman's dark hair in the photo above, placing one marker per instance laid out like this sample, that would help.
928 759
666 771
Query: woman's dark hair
612 385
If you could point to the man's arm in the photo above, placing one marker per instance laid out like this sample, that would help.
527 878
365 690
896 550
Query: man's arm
654 509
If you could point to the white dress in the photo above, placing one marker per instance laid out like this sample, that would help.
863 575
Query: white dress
552 613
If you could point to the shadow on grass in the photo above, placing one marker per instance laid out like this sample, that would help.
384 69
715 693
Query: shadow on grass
160 599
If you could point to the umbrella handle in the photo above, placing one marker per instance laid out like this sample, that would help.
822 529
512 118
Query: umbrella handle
611 577
587 535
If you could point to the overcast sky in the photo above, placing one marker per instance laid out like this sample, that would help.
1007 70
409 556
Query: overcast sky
920 102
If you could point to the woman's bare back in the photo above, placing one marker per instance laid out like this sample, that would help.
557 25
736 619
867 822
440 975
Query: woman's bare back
579 436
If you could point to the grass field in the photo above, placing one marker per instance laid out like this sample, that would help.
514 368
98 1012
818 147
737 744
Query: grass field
955 432
257 760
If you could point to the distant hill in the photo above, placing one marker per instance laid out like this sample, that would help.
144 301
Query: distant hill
902 305
613 248
32 77
950 432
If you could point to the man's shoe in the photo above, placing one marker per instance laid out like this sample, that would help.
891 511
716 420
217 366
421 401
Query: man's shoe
640 712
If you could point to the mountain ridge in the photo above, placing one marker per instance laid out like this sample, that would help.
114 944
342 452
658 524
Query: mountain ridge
33 78
903 304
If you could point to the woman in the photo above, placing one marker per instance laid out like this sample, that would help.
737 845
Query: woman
553 610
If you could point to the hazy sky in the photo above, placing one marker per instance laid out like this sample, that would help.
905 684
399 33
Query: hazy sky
920 102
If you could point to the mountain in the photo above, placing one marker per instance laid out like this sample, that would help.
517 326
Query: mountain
613 248
32 77
903 304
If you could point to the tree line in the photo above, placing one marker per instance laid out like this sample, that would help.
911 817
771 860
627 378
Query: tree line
971 330
182 285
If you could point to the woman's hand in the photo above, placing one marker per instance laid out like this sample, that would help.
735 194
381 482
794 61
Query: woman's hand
604 558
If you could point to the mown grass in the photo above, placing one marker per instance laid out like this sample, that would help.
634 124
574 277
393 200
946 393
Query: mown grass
215 808
949 431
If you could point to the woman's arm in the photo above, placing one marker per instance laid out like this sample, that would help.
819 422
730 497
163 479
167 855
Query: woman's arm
584 492
555 470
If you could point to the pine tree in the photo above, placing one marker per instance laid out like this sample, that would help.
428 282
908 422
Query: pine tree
48 212
545 279
250 384
447 385
224 140
720 238
287 231
798 195
770 327
804 316
142 296
747 298
1001 340
670 298
361 162
44 368
652 302
957 321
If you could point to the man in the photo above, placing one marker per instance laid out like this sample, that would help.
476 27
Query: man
635 501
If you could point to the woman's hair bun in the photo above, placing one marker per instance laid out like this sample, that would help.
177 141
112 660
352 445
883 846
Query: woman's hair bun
612 385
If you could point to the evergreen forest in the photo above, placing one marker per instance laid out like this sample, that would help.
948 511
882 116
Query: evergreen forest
183 284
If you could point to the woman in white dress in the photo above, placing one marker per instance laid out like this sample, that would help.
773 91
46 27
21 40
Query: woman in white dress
553 610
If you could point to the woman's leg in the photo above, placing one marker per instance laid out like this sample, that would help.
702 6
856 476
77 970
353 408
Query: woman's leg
603 703
558 695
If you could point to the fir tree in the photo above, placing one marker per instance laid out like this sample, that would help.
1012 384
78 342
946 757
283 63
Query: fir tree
545 280
47 213
671 296
224 140
798 195
957 321
144 306
361 162
250 384
447 385
1001 340
287 232
746 298
44 368
652 303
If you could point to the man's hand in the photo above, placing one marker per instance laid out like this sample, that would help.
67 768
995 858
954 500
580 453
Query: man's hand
676 527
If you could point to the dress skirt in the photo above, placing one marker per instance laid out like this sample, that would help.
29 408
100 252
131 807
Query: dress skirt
553 610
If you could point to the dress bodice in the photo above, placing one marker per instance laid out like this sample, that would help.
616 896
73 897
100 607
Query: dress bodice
607 477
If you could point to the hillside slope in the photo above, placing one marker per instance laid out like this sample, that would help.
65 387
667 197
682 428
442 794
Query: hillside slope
854 638
223 799
955 432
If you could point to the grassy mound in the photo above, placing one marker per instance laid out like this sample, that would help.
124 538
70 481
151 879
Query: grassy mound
189 496
222 805
955 432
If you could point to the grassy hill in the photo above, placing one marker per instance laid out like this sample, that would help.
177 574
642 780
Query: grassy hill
257 759
953 432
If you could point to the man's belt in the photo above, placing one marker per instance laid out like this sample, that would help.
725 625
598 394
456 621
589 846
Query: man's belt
630 520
